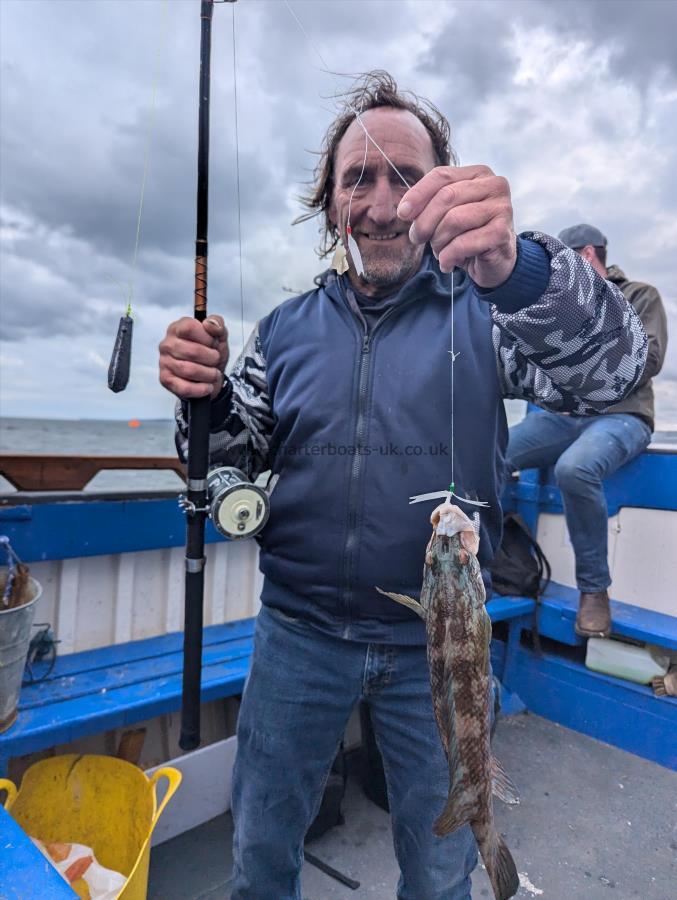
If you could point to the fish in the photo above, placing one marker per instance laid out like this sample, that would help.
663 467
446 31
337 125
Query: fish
458 627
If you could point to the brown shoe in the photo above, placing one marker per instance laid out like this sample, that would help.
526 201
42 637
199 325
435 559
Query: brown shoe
594 615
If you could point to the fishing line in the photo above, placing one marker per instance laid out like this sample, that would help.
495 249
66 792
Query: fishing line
359 180
450 492
352 243
357 259
453 366
237 175
452 486
121 358
239 211
350 106
339 259
146 157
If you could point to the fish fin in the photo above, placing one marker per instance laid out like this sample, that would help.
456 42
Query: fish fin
455 813
501 783
404 600
501 868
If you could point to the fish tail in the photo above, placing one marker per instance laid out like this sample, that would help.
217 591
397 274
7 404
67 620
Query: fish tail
500 865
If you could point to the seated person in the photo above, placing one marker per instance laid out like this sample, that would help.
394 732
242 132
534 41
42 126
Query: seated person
585 450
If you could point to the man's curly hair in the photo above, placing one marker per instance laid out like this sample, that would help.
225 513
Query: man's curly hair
372 90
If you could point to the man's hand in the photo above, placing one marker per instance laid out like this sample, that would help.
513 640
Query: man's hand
465 213
193 357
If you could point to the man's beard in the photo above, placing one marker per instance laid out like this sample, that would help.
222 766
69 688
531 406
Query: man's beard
385 271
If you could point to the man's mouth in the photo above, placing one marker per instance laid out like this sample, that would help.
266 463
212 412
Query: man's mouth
391 236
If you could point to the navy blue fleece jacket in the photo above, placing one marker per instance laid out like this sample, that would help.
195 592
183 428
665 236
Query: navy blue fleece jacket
354 422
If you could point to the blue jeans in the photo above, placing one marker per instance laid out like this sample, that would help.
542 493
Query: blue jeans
302 687
584 451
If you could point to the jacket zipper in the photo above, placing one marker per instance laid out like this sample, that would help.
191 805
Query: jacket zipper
356 469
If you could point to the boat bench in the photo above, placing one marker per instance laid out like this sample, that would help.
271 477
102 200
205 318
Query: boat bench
646 482
557 617
558 686
112 687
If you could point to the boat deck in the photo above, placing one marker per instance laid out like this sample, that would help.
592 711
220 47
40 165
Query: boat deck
594 822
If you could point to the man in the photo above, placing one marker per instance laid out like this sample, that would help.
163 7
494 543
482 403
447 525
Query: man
585 450
344 393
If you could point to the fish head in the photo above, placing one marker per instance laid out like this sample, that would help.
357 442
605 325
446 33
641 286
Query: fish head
448 520
446 553
451 554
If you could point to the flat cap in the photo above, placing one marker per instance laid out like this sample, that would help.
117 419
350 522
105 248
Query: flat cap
578 236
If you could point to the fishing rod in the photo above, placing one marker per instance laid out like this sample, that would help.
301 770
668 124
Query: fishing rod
238 508
195 502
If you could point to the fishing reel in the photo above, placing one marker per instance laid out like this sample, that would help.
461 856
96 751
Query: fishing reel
238 508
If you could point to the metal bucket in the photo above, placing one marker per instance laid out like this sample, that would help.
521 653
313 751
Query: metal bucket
15 636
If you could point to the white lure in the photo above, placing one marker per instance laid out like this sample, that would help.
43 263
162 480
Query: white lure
445 495
355 254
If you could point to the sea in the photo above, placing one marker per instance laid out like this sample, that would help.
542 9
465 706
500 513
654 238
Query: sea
145 437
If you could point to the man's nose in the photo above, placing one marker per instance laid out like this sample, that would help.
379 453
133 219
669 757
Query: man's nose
383 202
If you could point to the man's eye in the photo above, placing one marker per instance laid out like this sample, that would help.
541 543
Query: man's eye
356 182
397 182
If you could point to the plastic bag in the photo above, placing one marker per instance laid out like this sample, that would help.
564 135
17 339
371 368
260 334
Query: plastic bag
79 867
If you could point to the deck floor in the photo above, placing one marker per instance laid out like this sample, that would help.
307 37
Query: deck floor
594 823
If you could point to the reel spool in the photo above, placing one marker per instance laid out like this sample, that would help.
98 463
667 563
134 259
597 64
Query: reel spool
238 508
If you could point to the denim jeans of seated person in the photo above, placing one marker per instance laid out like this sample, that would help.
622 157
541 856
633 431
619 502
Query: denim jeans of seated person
302 687
584 452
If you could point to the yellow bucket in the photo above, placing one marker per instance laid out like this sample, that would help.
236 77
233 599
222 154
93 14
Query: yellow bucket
105 803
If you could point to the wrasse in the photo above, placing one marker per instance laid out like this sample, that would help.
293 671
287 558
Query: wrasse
452 604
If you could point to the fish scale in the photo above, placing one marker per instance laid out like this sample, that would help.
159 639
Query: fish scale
452 604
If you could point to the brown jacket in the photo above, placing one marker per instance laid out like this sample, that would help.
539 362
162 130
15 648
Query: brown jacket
647 302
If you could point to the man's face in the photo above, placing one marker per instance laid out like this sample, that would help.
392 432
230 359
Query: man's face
589 253
388 256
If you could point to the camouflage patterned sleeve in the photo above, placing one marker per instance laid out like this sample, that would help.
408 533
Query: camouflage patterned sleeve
579 348
241 419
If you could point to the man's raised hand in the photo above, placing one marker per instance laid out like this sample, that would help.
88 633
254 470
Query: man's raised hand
193 357
465 212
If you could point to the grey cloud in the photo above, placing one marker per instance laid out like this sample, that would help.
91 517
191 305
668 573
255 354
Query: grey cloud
88 173
76 82
473 48
79 300
641 35
472 51
73 155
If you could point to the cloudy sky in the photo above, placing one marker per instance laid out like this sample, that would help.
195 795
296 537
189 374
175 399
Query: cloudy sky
574 102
